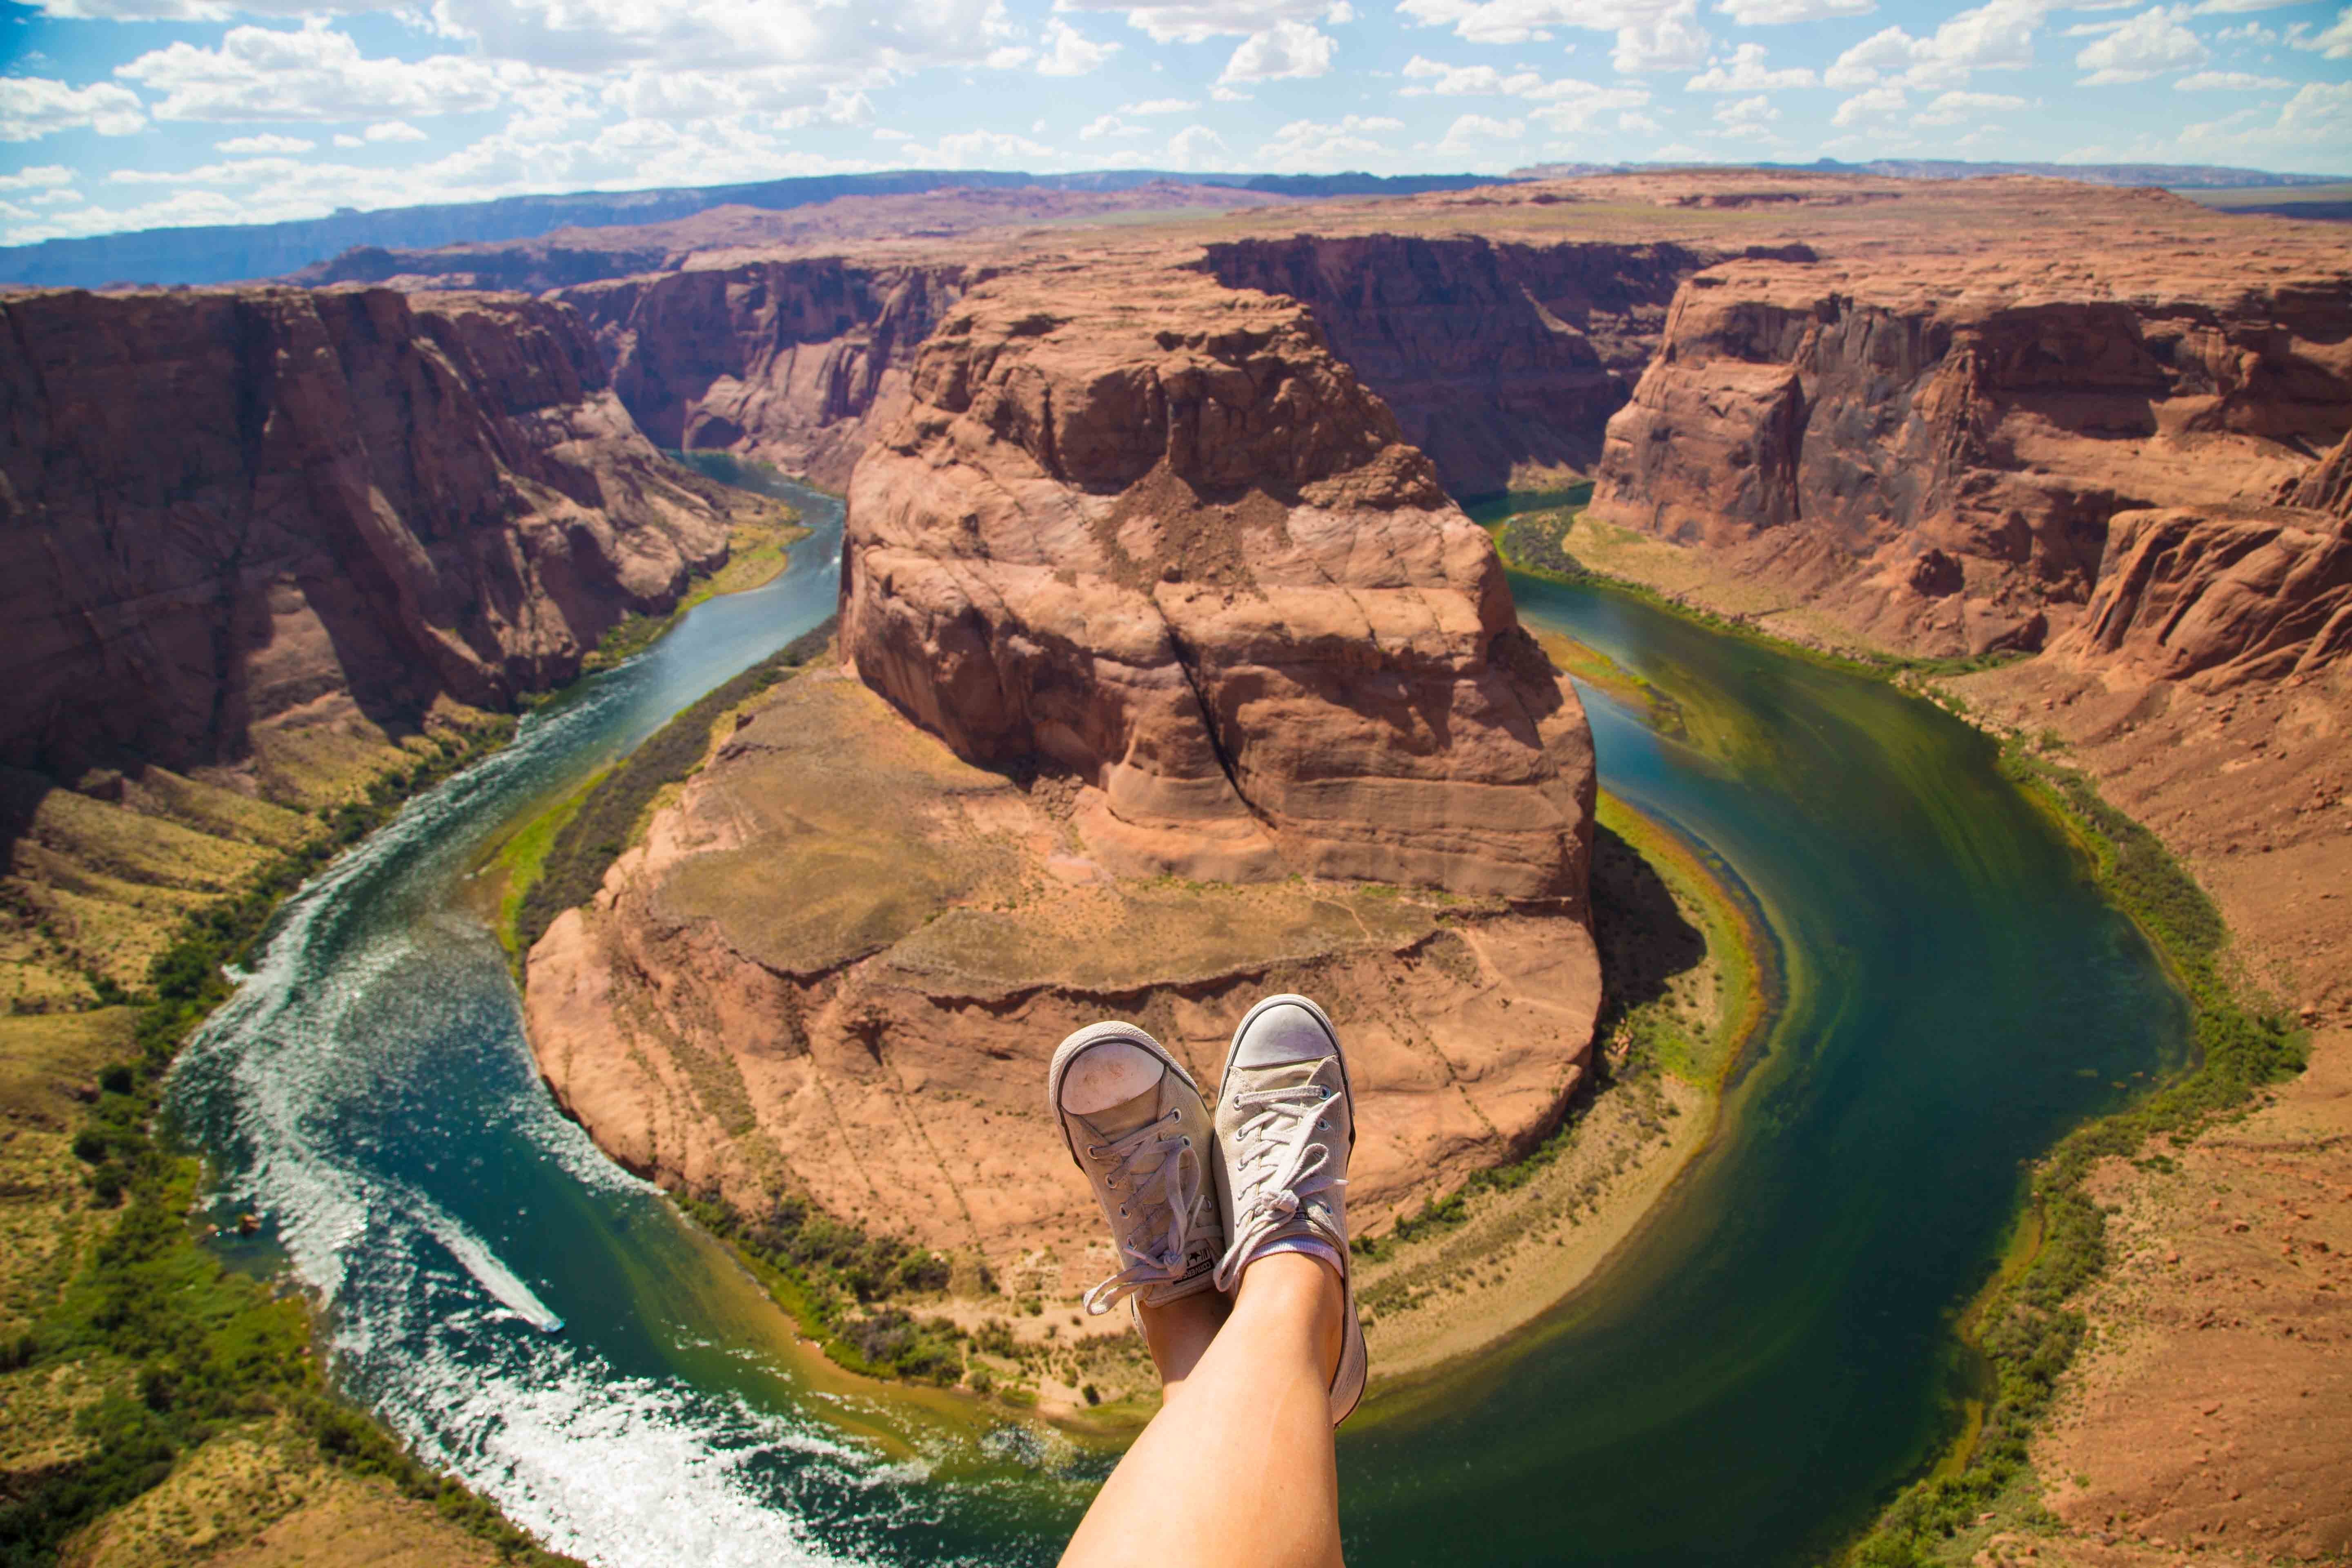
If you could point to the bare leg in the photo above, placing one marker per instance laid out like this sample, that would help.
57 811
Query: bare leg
1240 1468
1179 1334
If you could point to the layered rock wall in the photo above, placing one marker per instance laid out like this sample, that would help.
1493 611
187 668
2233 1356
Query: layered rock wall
1494 356
220 507
796 362
1182 553
1935 460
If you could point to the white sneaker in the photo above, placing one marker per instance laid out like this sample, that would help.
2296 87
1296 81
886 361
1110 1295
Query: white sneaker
1134 1122
1285 1126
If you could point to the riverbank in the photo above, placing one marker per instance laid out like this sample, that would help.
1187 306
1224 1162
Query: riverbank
2096 1370
159 1402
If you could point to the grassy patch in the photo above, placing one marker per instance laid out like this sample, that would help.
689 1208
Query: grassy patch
583 848
2024 1326
836 1279
521 860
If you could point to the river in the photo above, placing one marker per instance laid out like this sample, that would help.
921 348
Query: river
1744 1382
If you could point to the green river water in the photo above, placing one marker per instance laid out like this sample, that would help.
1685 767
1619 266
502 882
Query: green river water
1743 1384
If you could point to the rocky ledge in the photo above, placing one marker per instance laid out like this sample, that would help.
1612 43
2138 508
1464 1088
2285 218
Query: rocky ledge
1927 443
1211 692
221 509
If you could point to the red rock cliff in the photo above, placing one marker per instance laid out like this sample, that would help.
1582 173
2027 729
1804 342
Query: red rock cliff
1492 354
218 507
794 362
1933 451
1153 533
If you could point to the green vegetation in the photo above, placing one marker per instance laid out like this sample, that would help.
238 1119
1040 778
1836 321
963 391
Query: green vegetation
2026 1330
186 1349
829 1275
582 849
1535 543
521 860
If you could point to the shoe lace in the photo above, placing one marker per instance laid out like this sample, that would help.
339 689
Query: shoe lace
1171 1190
1280 1164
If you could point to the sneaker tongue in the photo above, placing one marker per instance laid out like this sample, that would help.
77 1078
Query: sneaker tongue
1127 1114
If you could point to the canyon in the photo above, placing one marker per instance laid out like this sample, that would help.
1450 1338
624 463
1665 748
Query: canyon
263 546
1168 673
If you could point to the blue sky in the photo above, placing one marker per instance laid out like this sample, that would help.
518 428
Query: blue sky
131 113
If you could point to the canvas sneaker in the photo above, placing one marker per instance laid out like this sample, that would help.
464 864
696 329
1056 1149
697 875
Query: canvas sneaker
1285 1126
1136 1124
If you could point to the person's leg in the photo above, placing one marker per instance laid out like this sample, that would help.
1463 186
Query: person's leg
1238 1468
1177 1334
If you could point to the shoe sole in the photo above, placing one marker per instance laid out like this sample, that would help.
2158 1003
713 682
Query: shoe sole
1353 1356
1094 1035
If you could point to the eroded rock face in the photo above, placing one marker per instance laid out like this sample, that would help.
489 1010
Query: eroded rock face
2220 594
796 362
1492 356
220 507
1180 553
1829 426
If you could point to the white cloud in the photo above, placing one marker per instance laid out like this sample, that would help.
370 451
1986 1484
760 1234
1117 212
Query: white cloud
2228 81
1069 52
309 73
1651 35
1284 50
1110 125
1197 21
2318 115
32 106
2247 33
1670 40
1197 147
1750 118
2235 7
1638 124
1998 36
1886 100
1747 73
1008 56
1569 105
267 141
393 131
1306 144
2334 43
982 150
1770 13
1959 108
2150 42
1160 105
1429 76
49 176
1473 135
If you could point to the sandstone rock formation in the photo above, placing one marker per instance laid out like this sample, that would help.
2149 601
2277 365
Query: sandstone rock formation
2220 594
1162 592
796 362
837 968
1181 553
220 508
1827 425
1492 356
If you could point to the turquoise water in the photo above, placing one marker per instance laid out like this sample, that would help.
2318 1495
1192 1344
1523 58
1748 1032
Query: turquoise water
1760 1366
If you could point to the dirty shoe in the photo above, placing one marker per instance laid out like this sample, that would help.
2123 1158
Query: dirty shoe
1135 1123
1286 1125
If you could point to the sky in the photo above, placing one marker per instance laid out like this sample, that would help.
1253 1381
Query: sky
119 114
